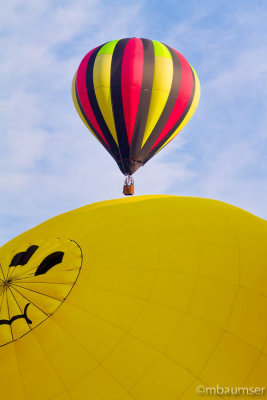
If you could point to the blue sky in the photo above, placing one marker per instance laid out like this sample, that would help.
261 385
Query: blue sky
50 164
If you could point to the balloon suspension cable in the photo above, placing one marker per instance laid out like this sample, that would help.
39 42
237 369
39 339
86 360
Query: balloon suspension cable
128 187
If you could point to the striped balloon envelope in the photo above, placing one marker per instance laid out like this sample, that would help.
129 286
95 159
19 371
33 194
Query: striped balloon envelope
135 95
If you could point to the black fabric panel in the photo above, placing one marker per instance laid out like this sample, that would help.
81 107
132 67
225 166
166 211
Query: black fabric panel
176 126
23 257
176 82
144 101
89 123
27 255
17 259
114 151
117 104
49 262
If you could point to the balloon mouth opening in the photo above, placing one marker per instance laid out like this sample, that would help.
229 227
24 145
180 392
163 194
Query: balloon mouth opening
129 166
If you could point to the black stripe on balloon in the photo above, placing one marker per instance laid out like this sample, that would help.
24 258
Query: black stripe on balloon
144 101
89 123
176 126
114 151
117 104
165 115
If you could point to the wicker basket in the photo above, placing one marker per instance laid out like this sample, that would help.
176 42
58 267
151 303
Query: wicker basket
128 190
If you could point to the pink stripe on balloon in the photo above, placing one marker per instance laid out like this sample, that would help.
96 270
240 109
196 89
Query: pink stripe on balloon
182 98
83 95
131 82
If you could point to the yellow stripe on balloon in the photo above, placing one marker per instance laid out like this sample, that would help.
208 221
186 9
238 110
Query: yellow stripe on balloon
190 112
162 83
101 78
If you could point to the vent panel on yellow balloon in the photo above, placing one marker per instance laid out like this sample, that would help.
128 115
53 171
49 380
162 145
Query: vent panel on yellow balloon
35 279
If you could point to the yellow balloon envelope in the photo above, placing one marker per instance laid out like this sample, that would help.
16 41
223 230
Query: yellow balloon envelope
148 298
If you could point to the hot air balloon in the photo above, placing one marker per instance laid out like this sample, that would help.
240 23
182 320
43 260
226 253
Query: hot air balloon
83 317
135 95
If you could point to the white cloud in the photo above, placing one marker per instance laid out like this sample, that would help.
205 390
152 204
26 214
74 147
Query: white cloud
49 161
227 138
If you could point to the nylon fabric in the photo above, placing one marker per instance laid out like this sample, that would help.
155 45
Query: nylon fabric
134 95
185 306
190 112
